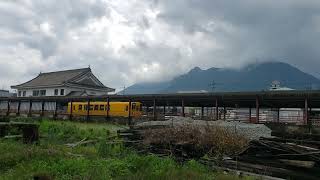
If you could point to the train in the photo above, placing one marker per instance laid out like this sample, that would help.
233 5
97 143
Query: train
115 109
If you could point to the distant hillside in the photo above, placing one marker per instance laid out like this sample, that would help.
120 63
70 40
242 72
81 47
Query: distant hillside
146 88
253 77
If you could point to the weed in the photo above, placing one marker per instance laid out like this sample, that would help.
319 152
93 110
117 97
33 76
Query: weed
52 159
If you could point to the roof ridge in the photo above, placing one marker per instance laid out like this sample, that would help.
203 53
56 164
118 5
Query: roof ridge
88 68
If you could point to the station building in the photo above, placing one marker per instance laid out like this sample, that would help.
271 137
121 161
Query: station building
75 82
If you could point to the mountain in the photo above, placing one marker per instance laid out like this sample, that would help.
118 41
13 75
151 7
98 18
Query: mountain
146 88
254 77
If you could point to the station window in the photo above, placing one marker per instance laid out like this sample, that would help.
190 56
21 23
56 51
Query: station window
61 92
19 93
24 93
56 92
80 107
101 107
35 93
43 92
96 107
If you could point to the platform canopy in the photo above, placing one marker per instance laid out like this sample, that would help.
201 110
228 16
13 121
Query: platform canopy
272 99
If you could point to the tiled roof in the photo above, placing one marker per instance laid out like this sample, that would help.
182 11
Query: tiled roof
54 78
58 78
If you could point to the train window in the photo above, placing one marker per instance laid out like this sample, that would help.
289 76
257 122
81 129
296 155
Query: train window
101 107
74 107
80 107
107 108
134 106
127 108
96 107
91 107
85 107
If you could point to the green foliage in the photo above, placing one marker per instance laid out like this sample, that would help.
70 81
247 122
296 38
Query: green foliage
66 132
104 160
112 149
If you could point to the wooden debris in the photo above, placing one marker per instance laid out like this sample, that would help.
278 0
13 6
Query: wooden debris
298 163
13 137
82 142
295 160
75 155
30 131
278 157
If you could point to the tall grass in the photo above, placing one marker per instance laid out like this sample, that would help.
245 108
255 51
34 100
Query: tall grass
55 162
103 160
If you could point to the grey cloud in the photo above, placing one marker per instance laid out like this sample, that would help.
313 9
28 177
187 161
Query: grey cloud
62 16
283 30
135 41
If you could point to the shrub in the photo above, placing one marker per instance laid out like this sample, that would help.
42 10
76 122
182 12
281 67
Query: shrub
197 141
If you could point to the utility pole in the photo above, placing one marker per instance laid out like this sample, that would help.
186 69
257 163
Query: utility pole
212 85
124 90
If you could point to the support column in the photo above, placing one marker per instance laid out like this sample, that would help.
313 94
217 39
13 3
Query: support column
71 110
30 109
42 109
154 113
108 108
147 109
310 123
88 110
55 113
224 112
18 111
250 115
257 110
216 110
278 115
305 114
182 106
202 112
8 108
129 114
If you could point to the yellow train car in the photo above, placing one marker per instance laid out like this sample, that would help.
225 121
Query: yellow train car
115 109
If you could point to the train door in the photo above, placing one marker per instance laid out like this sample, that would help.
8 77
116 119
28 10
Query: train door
136 109
133 109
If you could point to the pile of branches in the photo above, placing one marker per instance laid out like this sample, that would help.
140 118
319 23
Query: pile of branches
190 141
278 157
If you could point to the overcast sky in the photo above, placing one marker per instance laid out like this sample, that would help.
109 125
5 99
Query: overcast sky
153 40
